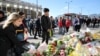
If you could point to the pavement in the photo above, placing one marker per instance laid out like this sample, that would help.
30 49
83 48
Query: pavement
32 40
56 35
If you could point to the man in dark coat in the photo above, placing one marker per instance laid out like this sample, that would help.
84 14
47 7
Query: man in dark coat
38 27
46 26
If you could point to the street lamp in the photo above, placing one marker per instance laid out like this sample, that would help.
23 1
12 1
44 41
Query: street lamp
15 6
68 2
20 6
81 10
37 8
26 7
31 8
7 5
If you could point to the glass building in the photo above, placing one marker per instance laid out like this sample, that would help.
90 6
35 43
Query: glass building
31 10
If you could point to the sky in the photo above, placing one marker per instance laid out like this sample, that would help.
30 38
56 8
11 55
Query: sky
58 7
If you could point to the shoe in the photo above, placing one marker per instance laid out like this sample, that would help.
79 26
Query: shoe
35 38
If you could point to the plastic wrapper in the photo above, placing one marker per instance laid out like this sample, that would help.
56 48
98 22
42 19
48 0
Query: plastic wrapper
42 47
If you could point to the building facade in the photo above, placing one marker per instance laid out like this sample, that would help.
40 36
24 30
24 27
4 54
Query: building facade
31 10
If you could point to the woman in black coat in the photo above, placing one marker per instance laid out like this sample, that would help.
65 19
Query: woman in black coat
8 37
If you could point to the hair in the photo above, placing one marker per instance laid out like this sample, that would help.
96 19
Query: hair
11 18
46 10
21 13
2 12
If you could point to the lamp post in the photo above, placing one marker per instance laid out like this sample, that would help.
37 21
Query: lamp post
68 2
36 8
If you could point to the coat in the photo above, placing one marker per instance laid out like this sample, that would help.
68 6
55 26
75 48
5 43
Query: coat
60 23
68 23
38 24
8 39
45 22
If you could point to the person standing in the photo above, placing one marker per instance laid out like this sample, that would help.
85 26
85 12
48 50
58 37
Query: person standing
32 26
77 24
94 21
52 21
64 25
68 24
38 27
88 21
60 25
45 22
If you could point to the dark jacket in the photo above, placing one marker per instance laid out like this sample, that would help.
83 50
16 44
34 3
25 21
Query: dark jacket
45 22
53 24
63 22
24 23
8 39
38 24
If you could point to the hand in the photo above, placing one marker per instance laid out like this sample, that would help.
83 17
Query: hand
48 30
32 49
25 29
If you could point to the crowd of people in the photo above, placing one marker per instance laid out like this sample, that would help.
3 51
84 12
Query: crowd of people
15 27
77 22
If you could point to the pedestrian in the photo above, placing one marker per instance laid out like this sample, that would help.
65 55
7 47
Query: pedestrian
64 25
45 22
32 26
8 37
53 25
60 25
38 27
2 17
88 21
94 21
77 24
68 24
